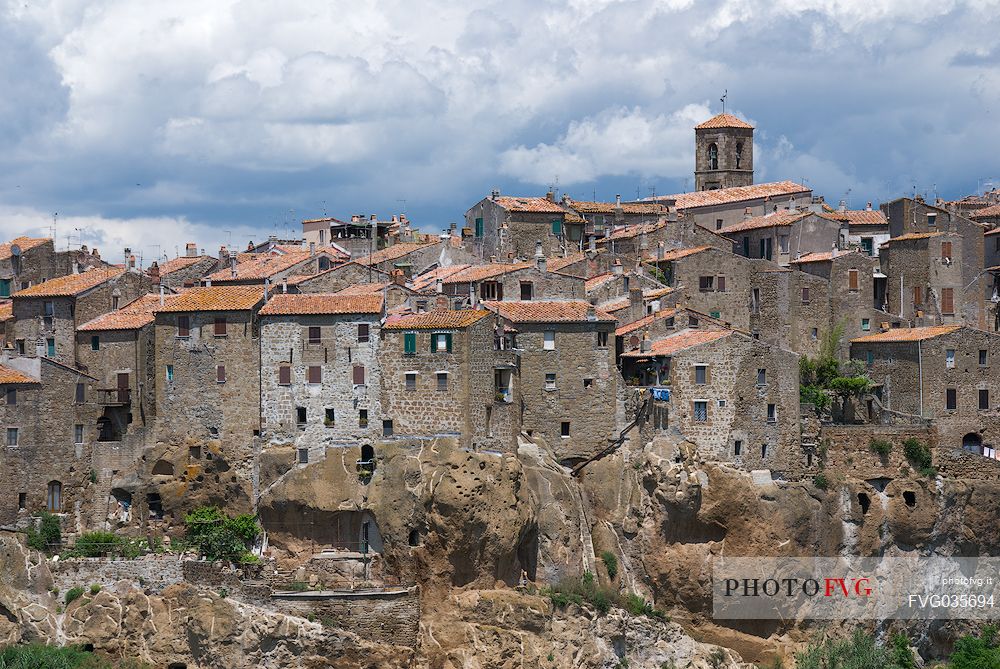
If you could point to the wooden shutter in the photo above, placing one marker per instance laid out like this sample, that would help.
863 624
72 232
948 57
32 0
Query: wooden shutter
362 332
315 334
852 279
315 374
918 296
220 325
946 250
805 295
183 326
284 375
410 342
220 373
359 375
721 284
447 342
947 300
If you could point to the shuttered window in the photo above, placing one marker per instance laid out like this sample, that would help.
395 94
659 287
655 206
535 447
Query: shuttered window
220 326
946 250
441 342
183 326
359 375
721 283
220 373
315 334
410 343
852 279
948 301
284 375
805 296
362 332
918 296
315 374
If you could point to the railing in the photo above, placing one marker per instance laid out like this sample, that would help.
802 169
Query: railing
114 396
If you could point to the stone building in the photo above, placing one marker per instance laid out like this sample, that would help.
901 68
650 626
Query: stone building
988 216
27 261
736 397
718 209
524 281
275 266
319 371
867 229
334 279
785 235
601 219
446 372
46 315
508 228
413 258
991 242
49 415
568 375
398 296
723 153
943 372
186 270
208 364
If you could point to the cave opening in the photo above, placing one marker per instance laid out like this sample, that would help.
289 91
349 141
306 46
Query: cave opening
865 501
910 498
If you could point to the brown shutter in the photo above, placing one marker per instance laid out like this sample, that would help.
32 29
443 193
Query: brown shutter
805 296
918 296
722 284
220 373
284 375
947 300
183 326
946 250
220 325
362 332
315 334
359 375
315 374
852 279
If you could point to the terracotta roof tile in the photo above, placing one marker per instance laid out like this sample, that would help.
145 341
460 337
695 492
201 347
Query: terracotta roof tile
782 217
481 272
625 300
558 263
262 266
179 263
134 315
321 303
985 212
708 198
595 281
10 376
677 254
363 288
821 257
912 236
645 321
723 121
394 252
678 342
632 231
537 205
24 242
585 207
906 334
857 216
71 284
571 311
428 279
214 298
6 310
435 320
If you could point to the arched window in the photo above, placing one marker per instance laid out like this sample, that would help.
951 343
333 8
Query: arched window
739 154
713 157
973 442
367 453
54 498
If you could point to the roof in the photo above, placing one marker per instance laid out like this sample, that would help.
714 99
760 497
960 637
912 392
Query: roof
560 262
630 231
595 281
71 284
585 207
9 376
644 321
857 216
322 303
214 298
395 251
912 236
570 311
906 334
134 315
626 300
179 263
723 121
429 278
986 212
708 198
480 272
433 320
779 218
677 254
822 257
537 205
363 288
678 342
6 310
261 266
24 242
328 219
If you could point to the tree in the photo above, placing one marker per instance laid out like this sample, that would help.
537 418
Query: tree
219 537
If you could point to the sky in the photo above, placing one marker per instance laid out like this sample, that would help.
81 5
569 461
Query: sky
151 124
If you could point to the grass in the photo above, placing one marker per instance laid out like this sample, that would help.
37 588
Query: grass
73 594
881 447
820 481
919 455
610 563
586 591
40 656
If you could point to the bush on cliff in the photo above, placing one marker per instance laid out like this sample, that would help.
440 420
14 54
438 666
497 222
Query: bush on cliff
47 535
102 544
219 537
586 590
40 656
977 652
859 652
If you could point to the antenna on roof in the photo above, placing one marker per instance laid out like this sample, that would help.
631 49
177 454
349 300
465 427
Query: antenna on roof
725 94
55 218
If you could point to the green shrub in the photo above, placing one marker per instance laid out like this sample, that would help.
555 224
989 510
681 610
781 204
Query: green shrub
917 453
977 652
40 656
820 481
219 537
610 563
47 535
95 544
862 652
73 594
586 590
902 656
94 589
881 447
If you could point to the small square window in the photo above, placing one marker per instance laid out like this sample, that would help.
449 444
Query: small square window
22 501
387 428
411 381
866 324
949 358
722 404
761 377
442 381
950 399
527 290
362 417
549 341
300 416
314 374
984 357
78 433
95 343
701 411
984 399
11 396
706 283
550 381
12 436
329 417
564 428
315 334
588 383
303 456
772 415
362 333
700 374
602 339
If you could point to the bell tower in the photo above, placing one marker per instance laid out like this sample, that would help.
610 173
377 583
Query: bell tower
723 147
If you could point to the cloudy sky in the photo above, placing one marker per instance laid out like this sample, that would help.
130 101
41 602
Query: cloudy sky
144 123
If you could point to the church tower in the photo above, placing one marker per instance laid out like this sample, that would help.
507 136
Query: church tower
723 148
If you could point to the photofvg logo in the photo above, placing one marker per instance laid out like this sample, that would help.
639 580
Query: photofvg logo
855 588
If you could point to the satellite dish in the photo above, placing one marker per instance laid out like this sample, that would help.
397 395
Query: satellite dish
15 250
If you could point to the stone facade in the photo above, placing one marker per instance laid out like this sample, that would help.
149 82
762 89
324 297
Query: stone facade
723 156
38 261
387 617
503 228
783 244
122 359
184 271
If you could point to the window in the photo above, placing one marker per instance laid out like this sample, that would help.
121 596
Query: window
527 290
564 428
720 282
550 380
549 340
918 296
183 326
713 157
718 224
739 154
95 342
387 428
314 334
783 243
557 226
12 436
363 333
950 399
303 456
946 250
314 374
701 411
284 375
220 326
866 324
50 347
220 374
761 377
48 311
362 417
814 334
948 301
737 447
442 381
852 279
870 357
53 501
300 416
706 283
763 451
22 501
4 287
984 399
983 357
602 339
588 383
692 321
78 434
721 404
700 374
479 227
324 263
19 346
410 343
411 381
805 296
11 396
329 417
755 301
772 415
949 358
931 220
81 388
358 375
746 247
868 246
114 302
441 342
491 290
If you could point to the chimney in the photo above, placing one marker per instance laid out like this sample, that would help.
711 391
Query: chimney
540 261
591 313
162 291
645 346
747 214
223 254
592 244
191 249
312 249
395 219
659 251
96 253
398 277
635 297
495 193
565 199
284 286
131 261
643 243
267 288
154 273
493 259
208 283
618 201
842 207
232 266
869 207
550 196
791 204
451 228
616 267
373 218
439 285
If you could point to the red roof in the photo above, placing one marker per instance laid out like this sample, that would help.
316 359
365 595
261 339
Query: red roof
678 342
24 242
537 205
570 311
719 196
986 212
71 284
322 303
11 376
677 254
179 263
395 252
134 315
261 266
857 216
782 217
906 334
723 121
436 320
214 298
645 321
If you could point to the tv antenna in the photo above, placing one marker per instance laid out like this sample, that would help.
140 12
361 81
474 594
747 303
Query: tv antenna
725 94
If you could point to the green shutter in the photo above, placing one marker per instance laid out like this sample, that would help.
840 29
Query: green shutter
557 226
434 341
410 342
4 287
479 227
714 314
447 342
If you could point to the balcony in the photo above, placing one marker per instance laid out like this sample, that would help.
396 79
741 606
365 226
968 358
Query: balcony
114 397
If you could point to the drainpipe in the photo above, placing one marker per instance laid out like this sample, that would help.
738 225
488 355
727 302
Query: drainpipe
920 379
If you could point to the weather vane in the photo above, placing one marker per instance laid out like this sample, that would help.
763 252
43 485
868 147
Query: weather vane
725 94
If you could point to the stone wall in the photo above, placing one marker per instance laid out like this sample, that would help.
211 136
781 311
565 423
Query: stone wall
338 278
388 617
846 449
153 572
192 274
